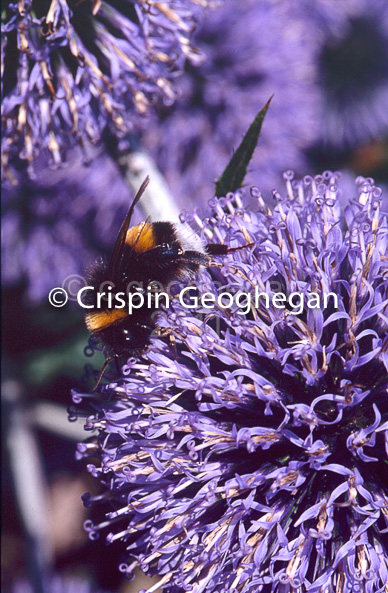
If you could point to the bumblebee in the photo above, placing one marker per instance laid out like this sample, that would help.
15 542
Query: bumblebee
148 254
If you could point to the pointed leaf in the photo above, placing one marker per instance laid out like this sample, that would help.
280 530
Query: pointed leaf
233 176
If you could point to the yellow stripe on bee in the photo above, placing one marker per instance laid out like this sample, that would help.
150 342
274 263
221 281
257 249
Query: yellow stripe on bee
102 319
141 237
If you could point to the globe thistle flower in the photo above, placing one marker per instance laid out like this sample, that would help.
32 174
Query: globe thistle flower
324 62
251 455
70 68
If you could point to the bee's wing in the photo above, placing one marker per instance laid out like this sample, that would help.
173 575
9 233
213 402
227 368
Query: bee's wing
115 261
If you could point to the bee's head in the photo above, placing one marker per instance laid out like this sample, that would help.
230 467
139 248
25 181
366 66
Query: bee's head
126 336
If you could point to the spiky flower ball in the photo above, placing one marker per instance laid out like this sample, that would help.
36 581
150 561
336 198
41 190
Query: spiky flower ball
72 67
252 456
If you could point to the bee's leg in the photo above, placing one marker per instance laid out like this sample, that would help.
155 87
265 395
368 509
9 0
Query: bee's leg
168 331
100 374
171 339
171 333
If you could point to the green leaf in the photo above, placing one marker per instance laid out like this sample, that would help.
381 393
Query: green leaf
233 176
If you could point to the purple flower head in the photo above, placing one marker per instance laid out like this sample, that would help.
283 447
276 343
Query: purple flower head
72 67
250 455
303 53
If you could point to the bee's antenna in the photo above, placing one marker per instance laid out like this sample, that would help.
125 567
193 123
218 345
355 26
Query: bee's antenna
116 257
221 249
231 249
100 374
